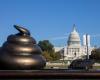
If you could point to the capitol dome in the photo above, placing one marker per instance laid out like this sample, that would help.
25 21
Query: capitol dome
74 38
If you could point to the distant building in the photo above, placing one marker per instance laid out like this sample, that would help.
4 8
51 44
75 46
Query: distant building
57 49
74 50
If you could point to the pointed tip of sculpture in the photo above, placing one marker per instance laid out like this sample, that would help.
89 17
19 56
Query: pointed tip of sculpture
22 31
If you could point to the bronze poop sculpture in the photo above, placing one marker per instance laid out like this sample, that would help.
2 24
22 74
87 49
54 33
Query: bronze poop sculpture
20 52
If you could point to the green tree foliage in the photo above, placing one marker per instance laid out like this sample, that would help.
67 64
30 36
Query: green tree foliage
46 45
47 56
56 56
48 51
95 55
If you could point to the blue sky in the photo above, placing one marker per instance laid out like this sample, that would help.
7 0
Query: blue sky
51 19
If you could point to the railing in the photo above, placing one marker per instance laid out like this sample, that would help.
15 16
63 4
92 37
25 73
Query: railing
49 74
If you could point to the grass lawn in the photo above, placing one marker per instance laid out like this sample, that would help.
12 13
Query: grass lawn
96 67
65 67
56 66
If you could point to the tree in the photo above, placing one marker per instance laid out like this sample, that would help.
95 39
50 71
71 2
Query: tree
95 55
57 56
46 46
48 50
47 56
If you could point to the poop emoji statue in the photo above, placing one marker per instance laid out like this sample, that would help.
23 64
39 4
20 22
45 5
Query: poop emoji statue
20 52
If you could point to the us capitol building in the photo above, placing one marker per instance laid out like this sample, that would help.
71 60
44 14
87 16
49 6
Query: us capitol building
74 50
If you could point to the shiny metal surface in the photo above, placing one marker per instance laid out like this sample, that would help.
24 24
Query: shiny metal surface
50 74
20 51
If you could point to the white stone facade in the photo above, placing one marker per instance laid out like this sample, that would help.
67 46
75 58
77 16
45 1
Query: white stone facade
74 49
